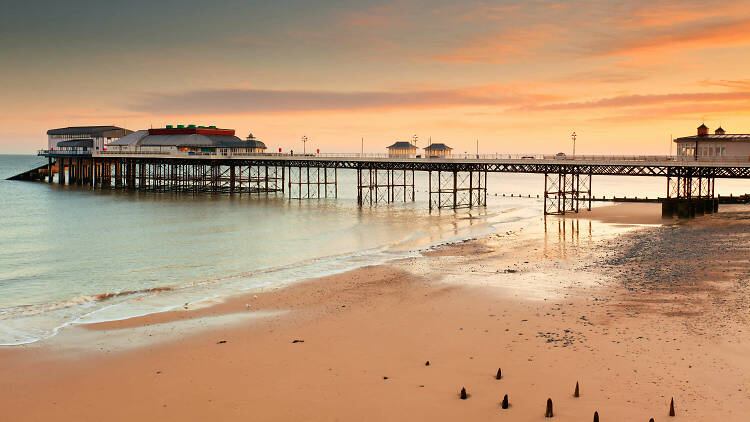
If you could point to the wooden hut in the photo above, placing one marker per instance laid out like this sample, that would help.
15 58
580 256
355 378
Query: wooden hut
402 149
438 150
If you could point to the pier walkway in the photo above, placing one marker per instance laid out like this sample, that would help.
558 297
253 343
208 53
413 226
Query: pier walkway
458 181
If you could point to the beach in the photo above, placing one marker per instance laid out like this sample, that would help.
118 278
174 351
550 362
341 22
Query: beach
635 311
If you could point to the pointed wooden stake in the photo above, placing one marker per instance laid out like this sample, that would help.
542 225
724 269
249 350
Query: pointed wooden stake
548 413
505 402
596 416
463 394
499 374
671 407
576 393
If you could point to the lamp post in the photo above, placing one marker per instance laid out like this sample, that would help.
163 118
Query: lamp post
304 142
573 137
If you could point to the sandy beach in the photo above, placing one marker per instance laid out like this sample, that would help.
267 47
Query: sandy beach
637 315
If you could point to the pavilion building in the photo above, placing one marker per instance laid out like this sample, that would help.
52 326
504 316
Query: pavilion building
189 139
83 139
717 144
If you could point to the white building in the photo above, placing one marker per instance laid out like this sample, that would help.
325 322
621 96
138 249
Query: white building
191 140
86 138
718 144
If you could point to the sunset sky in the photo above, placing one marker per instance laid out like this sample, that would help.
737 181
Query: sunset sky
517 76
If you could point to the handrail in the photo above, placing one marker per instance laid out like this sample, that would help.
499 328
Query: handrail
484 157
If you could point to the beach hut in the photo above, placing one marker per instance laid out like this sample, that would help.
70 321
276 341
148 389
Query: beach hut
437 150
402 149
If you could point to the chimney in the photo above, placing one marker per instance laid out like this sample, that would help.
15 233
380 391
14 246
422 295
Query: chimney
702 130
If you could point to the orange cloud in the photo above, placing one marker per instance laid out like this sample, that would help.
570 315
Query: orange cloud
671 13
709 35
741 84
714 110
503 47
238 101
642 100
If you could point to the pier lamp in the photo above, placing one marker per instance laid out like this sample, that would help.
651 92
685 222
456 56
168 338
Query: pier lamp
573 137
304 142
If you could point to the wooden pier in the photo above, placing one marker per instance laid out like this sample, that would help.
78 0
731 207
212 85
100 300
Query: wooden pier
456 182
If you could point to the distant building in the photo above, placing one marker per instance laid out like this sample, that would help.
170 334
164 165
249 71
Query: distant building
402 149
84 138
191 139
718 144
254 145
438 150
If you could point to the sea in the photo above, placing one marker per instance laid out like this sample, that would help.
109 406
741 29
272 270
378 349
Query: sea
75 255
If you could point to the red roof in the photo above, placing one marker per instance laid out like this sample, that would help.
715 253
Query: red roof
191 131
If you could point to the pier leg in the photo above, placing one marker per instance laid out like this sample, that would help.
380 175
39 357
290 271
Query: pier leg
668 208
60 171
683 209
698 203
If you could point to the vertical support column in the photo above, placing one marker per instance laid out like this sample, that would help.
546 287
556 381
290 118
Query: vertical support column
60 170
429 177
359 186
455 185
118 174
231 179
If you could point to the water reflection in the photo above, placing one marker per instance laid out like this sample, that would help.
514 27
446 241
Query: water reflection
562 234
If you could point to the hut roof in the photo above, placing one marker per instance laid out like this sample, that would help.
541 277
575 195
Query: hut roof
438 147
402 145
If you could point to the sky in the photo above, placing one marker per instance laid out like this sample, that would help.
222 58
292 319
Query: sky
516 76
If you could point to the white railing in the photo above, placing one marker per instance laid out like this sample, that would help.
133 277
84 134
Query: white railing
482 157
64 152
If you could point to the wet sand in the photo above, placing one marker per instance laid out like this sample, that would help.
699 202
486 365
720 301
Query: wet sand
636 318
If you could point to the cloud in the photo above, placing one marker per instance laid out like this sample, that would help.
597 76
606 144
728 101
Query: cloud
507 46
684 37
641 100
603 76
740 84
691 112
237 101
663 13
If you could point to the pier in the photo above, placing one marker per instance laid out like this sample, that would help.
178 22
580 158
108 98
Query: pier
458 181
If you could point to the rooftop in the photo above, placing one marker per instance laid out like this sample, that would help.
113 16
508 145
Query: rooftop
186 137
725 137
402 145
437 147
85 130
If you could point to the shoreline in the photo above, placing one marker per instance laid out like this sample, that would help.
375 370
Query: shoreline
468 308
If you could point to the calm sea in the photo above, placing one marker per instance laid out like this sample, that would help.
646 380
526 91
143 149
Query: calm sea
75 255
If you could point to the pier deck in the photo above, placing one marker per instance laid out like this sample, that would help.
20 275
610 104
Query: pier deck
455 182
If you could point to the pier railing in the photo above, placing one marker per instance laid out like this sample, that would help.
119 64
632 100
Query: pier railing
483 157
